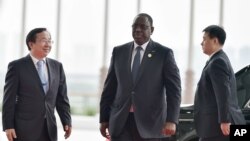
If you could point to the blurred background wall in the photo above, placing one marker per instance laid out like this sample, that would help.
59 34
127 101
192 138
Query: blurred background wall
85 32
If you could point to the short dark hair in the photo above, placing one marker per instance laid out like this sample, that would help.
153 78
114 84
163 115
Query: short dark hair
215 31
148 16
31 37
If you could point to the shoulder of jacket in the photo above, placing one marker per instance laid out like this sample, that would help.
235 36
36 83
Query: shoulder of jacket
160 46
124 45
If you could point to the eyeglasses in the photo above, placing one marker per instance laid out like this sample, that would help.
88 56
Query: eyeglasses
141 26
45 41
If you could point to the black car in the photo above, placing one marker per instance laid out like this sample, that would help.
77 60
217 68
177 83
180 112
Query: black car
185 129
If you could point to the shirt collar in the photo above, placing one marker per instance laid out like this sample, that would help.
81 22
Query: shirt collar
35 60
143 45
214 53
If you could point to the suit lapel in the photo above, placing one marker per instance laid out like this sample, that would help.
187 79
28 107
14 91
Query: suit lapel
129 60
50 73
216 54
206 64
31 69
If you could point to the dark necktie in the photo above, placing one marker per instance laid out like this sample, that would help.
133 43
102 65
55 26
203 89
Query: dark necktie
206 64
136 63
41 72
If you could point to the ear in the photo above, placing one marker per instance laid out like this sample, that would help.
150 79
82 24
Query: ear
31 44
216 41
152 30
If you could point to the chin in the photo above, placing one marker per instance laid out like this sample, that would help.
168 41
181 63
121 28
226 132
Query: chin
139 42
45 54
204 51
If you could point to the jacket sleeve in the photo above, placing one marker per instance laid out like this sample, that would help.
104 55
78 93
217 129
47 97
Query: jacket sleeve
173 87
62 101
9 98
220 77
109 91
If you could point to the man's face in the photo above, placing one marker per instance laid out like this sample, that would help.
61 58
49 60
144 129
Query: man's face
42 46
208 44
141 30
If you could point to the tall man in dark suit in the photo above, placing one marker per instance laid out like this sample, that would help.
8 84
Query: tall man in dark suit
216 104
31 95
142 92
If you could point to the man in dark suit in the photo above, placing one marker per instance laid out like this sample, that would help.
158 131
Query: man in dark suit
216 104
30 98
142 92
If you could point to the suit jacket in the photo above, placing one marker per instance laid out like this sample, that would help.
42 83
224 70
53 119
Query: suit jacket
155 95
216 97
25 105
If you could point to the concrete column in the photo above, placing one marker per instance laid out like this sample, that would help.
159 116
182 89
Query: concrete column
188 92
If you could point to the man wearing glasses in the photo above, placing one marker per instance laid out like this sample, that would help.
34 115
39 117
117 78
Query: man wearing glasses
34 86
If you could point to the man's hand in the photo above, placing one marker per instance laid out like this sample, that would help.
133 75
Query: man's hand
169 128
67 130
104 129
11 134
225 128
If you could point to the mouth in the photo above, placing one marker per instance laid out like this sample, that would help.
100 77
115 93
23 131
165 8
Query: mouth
138 36
138 39
46 49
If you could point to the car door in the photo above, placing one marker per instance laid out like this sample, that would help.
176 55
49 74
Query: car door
243 91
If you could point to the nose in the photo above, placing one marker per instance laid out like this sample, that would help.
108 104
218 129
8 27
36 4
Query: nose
137 29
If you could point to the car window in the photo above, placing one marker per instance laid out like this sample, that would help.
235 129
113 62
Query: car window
243 86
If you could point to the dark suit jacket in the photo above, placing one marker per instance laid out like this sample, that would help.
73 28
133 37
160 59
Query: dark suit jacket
156 94
25 105
216 97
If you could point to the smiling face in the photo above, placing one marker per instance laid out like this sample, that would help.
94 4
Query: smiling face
42 45
141 30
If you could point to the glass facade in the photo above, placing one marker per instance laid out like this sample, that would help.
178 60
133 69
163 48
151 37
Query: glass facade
79 36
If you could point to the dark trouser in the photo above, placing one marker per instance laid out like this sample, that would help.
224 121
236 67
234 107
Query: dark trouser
44 134
217 138
130 132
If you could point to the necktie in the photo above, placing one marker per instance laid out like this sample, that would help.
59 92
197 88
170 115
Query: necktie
136 63
135 69
41 72
206 64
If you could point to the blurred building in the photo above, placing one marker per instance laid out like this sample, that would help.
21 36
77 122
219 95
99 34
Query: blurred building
85 32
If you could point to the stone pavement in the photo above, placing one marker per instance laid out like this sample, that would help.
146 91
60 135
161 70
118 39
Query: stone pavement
84 129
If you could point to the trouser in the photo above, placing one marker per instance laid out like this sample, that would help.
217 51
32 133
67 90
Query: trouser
217 138
130 132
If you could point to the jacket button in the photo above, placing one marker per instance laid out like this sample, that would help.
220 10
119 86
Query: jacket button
132 92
